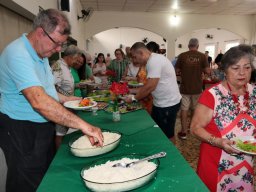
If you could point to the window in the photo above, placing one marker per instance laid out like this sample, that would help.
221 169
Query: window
231 44
211 49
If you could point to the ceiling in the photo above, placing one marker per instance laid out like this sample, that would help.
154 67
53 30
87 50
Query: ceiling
221 7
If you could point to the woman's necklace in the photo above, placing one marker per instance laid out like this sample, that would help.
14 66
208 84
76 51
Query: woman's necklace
236 101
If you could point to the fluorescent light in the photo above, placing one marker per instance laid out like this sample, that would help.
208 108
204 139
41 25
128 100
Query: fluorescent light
175 5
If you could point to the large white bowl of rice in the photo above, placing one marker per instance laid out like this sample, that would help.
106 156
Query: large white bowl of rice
80 145
100 176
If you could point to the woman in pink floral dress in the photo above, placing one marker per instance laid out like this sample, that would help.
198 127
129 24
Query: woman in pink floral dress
226 112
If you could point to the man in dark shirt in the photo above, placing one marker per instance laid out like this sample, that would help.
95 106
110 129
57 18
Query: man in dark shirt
209 58
190 65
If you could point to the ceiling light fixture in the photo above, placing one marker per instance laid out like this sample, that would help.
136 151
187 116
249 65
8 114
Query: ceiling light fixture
174 20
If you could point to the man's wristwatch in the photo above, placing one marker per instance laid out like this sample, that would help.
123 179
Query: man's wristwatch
133 98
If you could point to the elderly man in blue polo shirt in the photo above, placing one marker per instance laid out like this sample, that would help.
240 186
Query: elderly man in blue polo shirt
29 103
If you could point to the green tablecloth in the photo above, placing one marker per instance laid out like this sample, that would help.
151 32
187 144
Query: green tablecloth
139 136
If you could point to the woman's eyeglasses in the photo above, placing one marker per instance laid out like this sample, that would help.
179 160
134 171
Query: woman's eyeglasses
55 43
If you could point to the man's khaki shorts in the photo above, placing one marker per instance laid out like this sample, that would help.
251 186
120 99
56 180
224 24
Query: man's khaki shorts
189 101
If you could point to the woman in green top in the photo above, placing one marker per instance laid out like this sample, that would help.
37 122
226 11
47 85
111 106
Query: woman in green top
84 72
118 64
76 78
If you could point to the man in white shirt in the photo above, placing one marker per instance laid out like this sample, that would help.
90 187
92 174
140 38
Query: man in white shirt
162 84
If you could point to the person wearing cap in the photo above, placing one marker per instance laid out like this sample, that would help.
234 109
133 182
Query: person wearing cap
190 65
30 105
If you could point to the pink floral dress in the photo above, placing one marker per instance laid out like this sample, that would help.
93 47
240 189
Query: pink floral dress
219 170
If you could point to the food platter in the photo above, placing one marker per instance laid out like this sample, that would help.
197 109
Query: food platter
246 144
75 105
124 107
100 95
101 98
135 84
101 105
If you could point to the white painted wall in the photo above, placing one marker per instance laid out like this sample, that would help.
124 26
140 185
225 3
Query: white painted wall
33 6
75 9
107 41
220 38
159 24
78 26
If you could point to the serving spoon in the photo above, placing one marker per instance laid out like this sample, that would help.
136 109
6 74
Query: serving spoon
127 165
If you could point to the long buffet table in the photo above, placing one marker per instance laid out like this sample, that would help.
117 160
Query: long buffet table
140 135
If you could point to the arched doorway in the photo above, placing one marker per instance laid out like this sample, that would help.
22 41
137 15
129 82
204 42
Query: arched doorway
121 37
214 40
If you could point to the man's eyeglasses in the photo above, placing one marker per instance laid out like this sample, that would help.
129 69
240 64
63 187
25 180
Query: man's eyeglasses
55 43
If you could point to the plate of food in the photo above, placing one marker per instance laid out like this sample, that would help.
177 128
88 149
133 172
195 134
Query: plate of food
135 84
124 107
246 144
101 176
101 98
89 82
101 105
100 95
85 82
83 104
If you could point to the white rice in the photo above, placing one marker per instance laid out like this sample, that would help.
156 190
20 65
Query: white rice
105 173
83 142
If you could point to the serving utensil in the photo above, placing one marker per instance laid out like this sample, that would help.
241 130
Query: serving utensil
127 165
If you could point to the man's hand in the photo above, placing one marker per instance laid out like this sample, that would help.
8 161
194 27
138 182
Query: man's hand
95 135
55 112
128 99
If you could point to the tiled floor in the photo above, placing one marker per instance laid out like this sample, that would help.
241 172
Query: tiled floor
189 148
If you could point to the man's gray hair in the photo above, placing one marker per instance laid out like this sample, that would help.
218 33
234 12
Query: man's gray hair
72 50
193 42
49 19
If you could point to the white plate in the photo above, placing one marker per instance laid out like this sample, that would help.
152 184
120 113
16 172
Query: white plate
136 85
244 138
75 105
94 84
90 83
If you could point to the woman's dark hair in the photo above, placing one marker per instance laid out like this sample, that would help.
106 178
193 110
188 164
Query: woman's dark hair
120 51
153 47
99 55
234 54
81 70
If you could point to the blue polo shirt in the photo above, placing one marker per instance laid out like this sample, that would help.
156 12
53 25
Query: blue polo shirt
21 68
